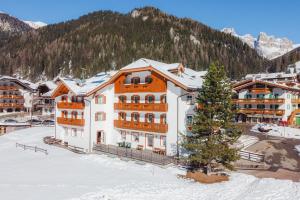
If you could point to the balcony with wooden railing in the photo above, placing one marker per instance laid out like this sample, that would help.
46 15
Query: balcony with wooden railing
260 90
296 101
158 107
259 101
70 121
11 97
141 126
70 105
8 88
11 105
254 111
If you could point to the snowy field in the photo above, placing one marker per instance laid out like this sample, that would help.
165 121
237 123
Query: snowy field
26 175
279 131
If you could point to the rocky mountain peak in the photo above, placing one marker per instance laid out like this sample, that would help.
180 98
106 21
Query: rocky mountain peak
12 24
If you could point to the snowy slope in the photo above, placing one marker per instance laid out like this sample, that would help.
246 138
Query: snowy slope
26 175
267 46
35 25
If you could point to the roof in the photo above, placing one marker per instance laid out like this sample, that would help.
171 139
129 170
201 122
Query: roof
292 86
189 78
50 84
27 84
271 75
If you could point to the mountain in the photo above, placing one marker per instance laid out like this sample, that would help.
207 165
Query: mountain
35 25
267 46
11 26
106 40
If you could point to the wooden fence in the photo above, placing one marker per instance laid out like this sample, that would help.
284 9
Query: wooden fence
34 148
142 155
247 155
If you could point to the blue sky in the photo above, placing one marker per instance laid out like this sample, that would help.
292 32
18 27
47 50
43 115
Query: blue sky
277 17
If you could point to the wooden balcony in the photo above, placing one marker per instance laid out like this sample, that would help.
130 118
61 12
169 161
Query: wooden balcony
8 88
254 111
70 105
11 105
296 101
259 101
70 121
11 97
158 107
141 87
141 126
260 90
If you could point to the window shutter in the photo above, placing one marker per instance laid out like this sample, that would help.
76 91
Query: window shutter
96 99
96 116
104 116
104 99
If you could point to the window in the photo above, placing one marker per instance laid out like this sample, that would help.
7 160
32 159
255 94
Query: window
189 120
122 116
149 117
64 98
189 99
289 96
148 79
163 141
247 106
260 106
64 114
163 98
150 99
260 96
74 114
135 117
135 99
122 99
66 131
135 80
123 135
74 99
100 99
248 96
288 106
135 137
74 132
163 119
100 116
276 96
150 139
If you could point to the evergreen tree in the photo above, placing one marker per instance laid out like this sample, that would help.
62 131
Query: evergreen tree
213 130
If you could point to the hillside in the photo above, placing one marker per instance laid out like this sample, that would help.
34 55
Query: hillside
280 63
107 40
11 26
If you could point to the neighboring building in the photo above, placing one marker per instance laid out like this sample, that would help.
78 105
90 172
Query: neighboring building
264 101
146 105
44 103
16 95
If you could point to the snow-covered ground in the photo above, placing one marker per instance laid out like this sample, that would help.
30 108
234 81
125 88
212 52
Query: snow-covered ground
26 175
279 131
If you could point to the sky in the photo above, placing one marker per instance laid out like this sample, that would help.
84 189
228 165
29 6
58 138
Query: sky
275 17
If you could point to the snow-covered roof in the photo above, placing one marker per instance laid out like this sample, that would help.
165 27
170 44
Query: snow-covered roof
190 78
270 75
50 84
23 82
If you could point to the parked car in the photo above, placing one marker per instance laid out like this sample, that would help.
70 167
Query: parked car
48 122
10 121
34 122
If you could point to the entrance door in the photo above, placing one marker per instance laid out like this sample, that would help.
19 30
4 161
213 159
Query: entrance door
100 137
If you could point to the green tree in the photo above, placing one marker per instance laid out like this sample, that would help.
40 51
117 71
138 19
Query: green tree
213 130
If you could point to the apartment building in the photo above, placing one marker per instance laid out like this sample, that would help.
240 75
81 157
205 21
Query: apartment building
146 105
265 101
16 95
44 103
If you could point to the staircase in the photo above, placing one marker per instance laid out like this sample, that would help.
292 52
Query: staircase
292 116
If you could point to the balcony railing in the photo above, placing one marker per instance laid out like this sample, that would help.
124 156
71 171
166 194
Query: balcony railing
70 105
141 126
11 97
278 112
70 121
11 105
8 88
258 101
296 101
260 90
158 107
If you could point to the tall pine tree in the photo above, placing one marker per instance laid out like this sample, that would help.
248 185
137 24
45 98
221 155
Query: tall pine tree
213 130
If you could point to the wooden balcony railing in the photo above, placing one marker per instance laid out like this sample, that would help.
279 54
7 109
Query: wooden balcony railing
278 112
296 101
11 97
258 101
141 87
141 126
11 105
158 107
70 121
8 88
260 90
70 105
